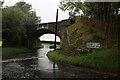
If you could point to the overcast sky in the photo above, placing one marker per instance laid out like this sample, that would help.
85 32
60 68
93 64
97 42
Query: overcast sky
46 9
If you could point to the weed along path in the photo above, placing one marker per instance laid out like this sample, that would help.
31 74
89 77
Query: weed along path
37 65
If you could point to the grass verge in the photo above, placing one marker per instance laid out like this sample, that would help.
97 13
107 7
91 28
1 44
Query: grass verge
105 60
9 51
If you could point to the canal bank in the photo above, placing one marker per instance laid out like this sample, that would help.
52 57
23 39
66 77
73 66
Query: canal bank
11 51
105 61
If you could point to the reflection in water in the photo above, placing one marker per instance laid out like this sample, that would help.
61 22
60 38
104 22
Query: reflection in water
44 63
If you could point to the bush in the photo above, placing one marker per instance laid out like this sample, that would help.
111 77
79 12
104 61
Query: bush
97 37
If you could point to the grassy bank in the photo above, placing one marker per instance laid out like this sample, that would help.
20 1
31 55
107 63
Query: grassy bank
87 30
8 51
105 60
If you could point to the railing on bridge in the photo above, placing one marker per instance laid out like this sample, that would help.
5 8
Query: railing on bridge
42 27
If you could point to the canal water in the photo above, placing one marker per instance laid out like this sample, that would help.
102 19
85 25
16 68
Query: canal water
37 65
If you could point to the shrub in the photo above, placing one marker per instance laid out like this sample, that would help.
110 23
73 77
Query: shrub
90 30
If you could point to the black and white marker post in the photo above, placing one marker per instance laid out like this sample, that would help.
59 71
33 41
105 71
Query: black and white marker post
55 38
56 29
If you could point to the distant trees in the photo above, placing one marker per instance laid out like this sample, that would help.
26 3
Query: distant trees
14 20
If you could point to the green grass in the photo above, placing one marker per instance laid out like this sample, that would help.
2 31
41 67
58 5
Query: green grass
8 51
105 60
51 44
39 46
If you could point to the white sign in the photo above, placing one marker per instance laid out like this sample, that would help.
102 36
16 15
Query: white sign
93 45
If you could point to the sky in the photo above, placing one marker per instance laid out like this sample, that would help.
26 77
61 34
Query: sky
50 37
46 9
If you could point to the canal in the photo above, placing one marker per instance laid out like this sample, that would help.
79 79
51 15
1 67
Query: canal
37 65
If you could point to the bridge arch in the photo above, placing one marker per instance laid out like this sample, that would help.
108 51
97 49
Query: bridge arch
33 32
41 32
34 37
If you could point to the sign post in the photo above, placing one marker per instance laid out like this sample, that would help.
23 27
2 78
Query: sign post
93 46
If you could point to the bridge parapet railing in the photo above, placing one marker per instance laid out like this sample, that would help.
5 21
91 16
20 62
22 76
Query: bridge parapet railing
42 27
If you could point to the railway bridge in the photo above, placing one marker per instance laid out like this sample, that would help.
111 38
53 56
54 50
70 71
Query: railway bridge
33 32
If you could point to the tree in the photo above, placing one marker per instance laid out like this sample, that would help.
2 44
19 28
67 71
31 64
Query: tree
92 10
31 15
73 7
14 20
24 6
13 25
1 3
97 10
